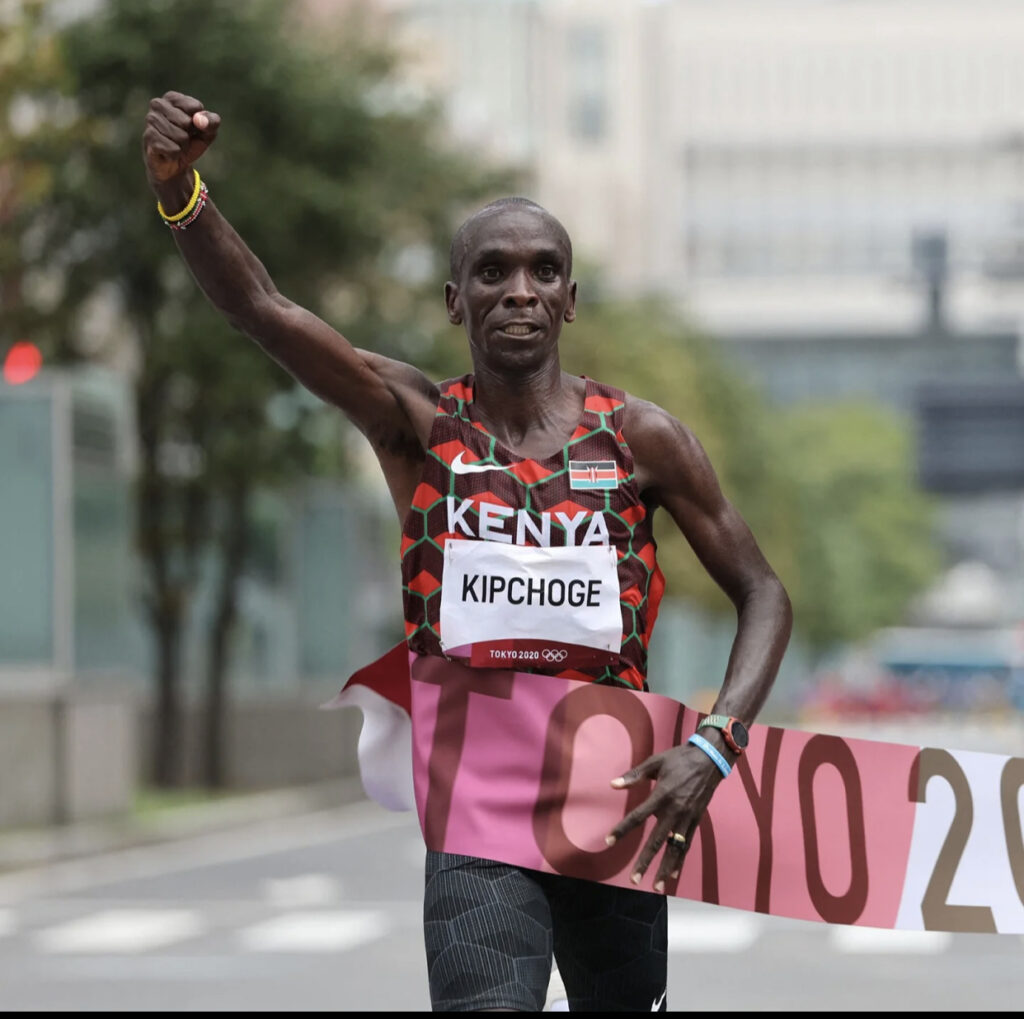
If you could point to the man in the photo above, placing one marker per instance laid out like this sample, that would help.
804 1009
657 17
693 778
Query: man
508 443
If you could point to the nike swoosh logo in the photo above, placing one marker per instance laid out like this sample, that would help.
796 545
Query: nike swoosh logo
459 467
656 1007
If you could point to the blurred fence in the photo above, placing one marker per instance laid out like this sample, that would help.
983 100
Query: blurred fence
322 599
76 657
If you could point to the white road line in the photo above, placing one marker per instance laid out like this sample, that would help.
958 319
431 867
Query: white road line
319 931
7 923
120 931
884 941
726 932
302 890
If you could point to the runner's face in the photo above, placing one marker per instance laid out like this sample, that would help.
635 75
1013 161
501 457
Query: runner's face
514 292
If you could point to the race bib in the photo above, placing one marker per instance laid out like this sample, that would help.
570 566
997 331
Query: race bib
515 605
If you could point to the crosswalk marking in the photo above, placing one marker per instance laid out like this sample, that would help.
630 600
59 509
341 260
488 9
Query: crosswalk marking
884 941
320 931
134 931
121 931
302 890
697 932
705 932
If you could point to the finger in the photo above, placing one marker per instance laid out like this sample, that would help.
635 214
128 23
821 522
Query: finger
653 845
156 143
188 104
157 125
189 113
171 113
206 123
646 769
671 862
636 816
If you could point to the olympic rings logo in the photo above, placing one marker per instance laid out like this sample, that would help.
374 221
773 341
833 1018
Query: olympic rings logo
553 655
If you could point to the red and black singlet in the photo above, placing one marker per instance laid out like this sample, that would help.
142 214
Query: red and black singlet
552 501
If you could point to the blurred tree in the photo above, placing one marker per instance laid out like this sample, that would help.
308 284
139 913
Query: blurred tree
37 130
866 542
342 188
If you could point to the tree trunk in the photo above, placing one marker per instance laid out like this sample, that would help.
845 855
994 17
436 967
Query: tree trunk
234 548
168 758
171 568
165 622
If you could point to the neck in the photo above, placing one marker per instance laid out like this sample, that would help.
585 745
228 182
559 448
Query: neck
534 410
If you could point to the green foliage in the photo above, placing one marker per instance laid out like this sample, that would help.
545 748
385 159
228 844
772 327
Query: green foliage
325 182
37 131
866 545
347 194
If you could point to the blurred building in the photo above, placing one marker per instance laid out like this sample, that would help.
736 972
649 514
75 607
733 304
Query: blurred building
833 188
67 459
768 163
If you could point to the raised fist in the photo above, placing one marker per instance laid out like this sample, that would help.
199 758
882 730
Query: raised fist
178 131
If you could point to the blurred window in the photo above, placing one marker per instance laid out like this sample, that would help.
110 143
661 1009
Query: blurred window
104 583
26 532
588 83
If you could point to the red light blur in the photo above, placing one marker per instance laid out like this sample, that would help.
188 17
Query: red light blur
22 363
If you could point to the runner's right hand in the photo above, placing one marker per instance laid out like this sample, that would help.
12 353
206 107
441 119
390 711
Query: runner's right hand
179 129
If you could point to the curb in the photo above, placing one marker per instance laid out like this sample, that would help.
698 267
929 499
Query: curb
24 849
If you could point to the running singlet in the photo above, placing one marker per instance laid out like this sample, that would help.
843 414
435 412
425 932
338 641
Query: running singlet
542 565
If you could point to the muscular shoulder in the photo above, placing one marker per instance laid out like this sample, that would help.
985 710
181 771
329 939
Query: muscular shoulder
667 456
401 376
411 389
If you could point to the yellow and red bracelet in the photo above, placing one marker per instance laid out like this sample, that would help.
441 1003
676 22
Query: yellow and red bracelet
196 204
200 205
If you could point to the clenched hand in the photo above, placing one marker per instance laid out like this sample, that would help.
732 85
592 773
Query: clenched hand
178 131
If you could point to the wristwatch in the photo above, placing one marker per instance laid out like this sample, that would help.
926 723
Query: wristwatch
734 731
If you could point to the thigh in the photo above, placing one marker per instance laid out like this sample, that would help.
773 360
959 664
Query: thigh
611 946
487 930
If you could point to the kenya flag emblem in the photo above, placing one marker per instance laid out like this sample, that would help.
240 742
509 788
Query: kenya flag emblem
593 474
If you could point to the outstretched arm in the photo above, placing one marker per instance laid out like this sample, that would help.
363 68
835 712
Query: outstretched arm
392 403
674 472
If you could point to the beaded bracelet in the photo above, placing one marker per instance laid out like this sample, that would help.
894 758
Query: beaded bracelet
200 205
179 216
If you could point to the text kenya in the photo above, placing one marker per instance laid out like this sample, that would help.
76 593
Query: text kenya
519 527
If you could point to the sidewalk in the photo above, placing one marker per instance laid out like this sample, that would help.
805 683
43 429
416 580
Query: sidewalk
24 848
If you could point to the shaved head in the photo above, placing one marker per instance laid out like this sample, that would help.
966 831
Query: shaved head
460 242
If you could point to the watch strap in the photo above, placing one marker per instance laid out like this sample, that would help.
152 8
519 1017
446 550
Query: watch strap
718 721
725 724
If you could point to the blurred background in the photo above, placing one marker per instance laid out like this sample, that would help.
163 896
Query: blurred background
798 225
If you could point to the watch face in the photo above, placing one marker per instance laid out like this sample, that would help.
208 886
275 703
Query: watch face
739 734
